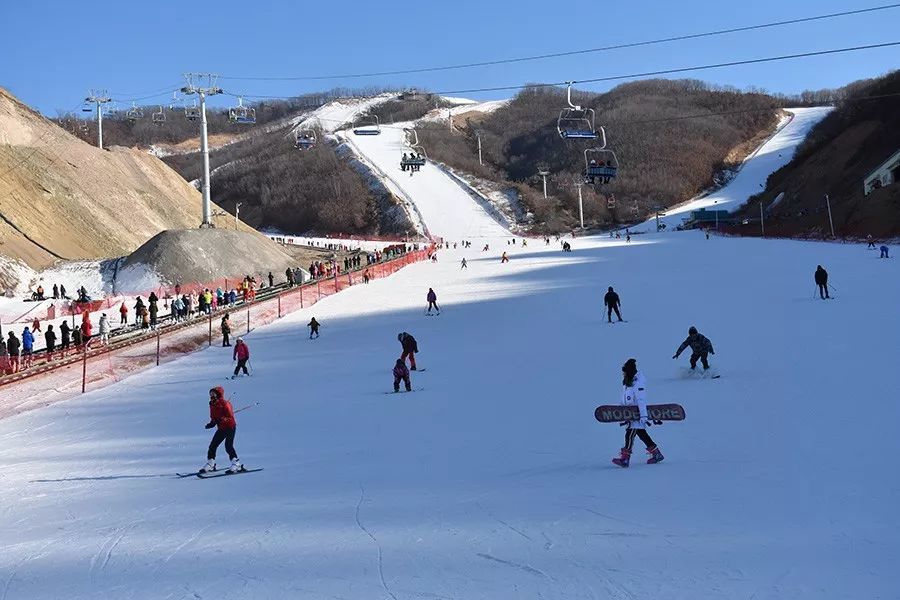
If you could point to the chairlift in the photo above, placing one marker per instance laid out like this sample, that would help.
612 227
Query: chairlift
576 122
192 113
417 156
600 164
369 125
159 117
245 115
305 139
135 112
87 107
611 201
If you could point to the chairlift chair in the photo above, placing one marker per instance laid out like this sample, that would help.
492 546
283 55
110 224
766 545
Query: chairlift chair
576 122
159 117
87 107
192 113
369 125
417 156
600 165
134 113
242 114
305 139
611 201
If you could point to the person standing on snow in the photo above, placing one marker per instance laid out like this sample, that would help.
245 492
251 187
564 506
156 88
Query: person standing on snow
104 329
410 348
701 347
504 258
50 339
226 330
313 328
884 252
465 265
611 301
241 354
123 314
221 416
634 394
66 333
12 348
87 327
401 373
821 279
432 301
27 347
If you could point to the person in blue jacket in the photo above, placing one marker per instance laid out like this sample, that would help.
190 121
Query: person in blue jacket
27 347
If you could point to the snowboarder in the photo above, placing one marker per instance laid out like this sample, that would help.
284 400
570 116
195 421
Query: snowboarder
410 348
465 265
700 345
241 354
50 339
432 301
611 301
313 327
226 330
884 252
221 416
401 373
104 329
633 393
821 279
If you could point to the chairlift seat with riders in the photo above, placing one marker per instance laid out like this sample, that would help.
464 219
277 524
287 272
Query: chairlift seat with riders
244 115
192 113
134 113
369 125
159 116
417 157
305 139
600 164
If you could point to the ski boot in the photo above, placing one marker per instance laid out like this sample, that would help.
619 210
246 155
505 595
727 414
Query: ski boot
623 459
655 455
236 465
209 466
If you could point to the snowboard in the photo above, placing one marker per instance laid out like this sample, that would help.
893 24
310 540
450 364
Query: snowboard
216 473
402 391
616 413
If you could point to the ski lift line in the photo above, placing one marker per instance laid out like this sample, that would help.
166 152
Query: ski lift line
536 57
734 63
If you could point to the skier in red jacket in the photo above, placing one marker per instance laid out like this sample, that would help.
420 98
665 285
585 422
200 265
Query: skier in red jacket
221 416
241 354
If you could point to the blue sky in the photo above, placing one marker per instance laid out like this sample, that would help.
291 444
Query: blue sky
52 52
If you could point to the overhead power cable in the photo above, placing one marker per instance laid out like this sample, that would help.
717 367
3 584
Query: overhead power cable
536 57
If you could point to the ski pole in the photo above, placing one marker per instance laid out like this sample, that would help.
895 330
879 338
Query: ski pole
243 408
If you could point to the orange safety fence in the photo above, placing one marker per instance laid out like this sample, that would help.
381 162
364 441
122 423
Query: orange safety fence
93 366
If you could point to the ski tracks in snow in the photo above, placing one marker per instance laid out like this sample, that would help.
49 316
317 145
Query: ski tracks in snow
362 497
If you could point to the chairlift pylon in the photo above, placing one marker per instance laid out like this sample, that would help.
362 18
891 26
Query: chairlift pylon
576 122
369 125
244 115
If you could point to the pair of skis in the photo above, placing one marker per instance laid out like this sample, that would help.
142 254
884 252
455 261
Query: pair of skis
216 473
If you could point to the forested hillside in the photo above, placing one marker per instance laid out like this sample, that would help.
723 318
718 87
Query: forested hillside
672 139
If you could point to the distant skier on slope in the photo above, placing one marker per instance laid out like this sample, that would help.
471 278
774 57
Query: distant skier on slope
241 354
611 301
401 373
410 348
432 301
465 265
700 345
221 416
504 258
313 328
821 279
634 393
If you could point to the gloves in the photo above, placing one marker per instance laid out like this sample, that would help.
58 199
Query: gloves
657 422
675 356
210 425
712 351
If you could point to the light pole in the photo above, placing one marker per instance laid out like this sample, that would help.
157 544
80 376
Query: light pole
830 221
579 185
543 172
762 220
478 135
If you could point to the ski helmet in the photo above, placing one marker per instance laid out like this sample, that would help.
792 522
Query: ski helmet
692 330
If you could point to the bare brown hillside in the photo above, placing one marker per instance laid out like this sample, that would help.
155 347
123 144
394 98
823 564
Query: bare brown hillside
61 198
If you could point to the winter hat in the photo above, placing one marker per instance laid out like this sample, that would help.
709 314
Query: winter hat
240 340
692 330
610 288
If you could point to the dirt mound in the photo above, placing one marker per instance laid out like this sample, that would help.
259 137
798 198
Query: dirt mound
200 255
61 198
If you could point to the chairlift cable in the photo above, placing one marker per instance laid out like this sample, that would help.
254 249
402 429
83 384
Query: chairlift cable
575 52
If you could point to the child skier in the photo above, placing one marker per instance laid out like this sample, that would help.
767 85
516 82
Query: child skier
432 301
313 328
401 373
221 416
241 354
701 348
633 388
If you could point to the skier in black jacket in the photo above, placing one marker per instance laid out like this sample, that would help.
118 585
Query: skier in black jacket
821 279
700 345
410 348
611 301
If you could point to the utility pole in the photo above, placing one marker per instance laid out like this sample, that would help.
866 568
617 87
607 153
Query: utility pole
237 211
202 92
830 220
579 185
716 210
99 97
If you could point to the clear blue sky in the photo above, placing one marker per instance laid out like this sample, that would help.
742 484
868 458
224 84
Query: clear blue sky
53 51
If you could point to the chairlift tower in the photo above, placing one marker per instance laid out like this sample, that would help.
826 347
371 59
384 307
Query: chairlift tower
195 85
580 184
543 171
99 98
478 136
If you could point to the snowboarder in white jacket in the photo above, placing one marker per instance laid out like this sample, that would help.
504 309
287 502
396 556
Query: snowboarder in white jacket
104 329
634 394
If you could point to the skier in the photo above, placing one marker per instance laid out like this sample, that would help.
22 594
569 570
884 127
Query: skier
123 314
611 301
226 330
465 265
633 394
221 416
410 348
821 279
27 347
432 301
104 329
884 252
241 354
366 276
290 277
700 345
401 373
871 242
504 258
271 279
313 328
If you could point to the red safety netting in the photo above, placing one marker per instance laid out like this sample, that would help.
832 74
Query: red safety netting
66 373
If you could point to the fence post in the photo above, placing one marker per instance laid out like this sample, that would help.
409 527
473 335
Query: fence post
84 369
210 329
318 289
301 294
248 319
279 306
157 347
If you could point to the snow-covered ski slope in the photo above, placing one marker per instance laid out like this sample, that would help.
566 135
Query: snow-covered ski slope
776 152
447 209
495 480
